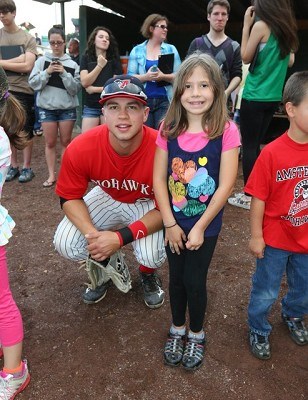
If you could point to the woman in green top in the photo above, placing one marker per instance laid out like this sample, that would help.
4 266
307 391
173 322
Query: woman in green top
269 40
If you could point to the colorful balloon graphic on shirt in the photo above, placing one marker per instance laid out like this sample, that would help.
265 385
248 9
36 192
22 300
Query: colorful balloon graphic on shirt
187 180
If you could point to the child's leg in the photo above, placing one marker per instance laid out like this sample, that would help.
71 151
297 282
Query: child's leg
177 291
295 303
195 273
11 329
265 288
174 346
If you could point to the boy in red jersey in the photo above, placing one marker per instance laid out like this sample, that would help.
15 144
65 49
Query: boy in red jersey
118 158
278 185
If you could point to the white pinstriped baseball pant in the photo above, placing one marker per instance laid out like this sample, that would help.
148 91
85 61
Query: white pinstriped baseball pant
107 213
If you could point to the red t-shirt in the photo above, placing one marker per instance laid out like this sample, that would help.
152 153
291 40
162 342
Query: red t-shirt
280 179
90 158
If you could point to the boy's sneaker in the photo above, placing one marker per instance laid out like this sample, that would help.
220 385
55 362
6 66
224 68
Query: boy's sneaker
259 346
174 349
298 331
12 173
153 293
193 353
26 175
11 385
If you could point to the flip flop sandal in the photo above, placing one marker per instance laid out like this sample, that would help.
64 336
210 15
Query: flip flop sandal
48 184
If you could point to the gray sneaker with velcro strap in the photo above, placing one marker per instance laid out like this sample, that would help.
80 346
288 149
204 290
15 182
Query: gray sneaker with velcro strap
297 329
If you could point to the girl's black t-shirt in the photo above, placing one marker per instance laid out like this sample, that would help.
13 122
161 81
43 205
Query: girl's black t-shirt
113 67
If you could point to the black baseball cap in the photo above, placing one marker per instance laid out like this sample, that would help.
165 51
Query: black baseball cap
123 86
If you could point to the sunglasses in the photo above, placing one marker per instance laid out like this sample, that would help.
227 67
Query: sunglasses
53 43
123 87
162 26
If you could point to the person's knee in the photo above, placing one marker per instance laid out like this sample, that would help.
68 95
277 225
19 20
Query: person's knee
155 260
68 241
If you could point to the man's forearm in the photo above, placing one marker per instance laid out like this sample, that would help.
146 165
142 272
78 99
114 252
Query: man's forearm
153 221
22 68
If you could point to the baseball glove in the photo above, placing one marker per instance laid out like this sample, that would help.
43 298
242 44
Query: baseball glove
113 268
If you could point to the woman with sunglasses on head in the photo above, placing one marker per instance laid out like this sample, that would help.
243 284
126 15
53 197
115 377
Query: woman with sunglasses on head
55 77
143 63
100 62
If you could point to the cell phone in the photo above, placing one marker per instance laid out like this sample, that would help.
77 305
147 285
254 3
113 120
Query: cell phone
55 60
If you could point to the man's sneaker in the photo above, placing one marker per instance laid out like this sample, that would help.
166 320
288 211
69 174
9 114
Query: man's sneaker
26 175
91 296
193 353
11 385
174 349
13 173
298 331
259 346
153 294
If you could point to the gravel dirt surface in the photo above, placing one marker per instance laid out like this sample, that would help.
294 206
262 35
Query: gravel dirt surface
113 350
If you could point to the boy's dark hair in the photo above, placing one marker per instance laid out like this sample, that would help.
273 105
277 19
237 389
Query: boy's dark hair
296 88
222 3
7 6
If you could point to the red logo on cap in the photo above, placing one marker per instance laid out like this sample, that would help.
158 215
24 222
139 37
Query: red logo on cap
122 83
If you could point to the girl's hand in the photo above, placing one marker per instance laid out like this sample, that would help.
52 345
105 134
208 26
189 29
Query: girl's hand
101 61
249 17
55 67
257 246
175 237
195 238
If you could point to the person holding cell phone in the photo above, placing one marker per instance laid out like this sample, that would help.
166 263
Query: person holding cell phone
143 63
55 77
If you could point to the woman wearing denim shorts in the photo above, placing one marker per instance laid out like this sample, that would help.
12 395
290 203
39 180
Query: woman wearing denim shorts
55 77
100 62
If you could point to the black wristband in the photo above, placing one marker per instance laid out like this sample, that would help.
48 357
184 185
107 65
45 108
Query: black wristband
126 235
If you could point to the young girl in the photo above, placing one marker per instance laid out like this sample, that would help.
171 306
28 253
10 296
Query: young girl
15 375
194 172
56 78
100 62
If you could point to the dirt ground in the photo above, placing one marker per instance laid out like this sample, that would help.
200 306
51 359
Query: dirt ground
113 350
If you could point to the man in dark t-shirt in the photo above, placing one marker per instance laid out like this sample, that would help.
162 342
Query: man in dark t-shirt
216 43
